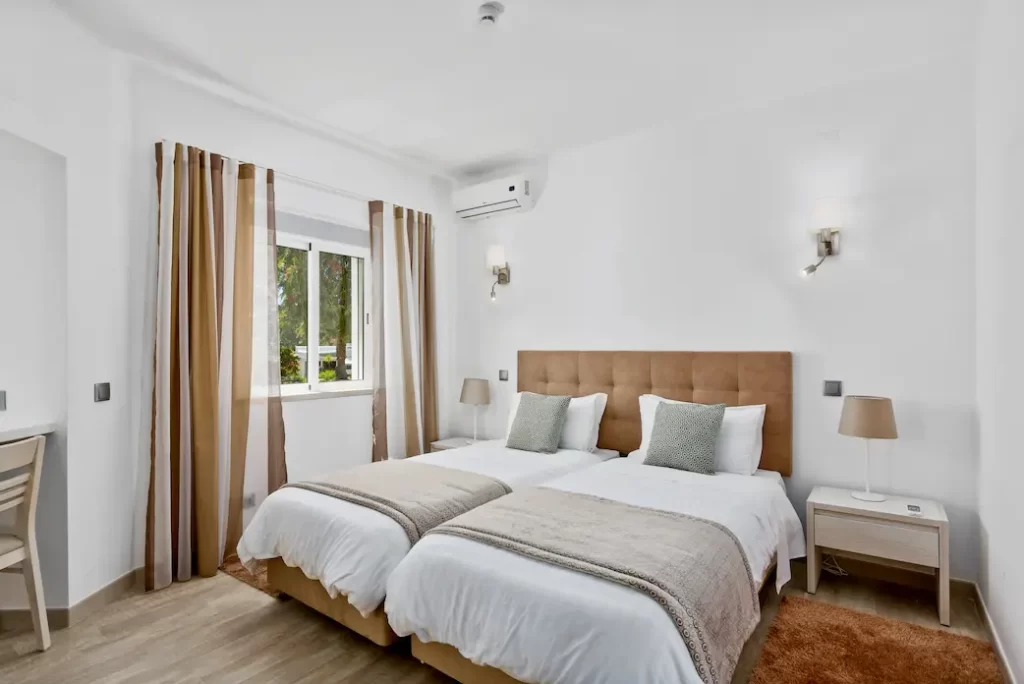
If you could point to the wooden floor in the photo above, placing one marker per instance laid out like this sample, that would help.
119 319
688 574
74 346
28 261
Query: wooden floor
221 630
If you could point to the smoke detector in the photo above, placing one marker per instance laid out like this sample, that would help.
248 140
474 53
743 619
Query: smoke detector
488 14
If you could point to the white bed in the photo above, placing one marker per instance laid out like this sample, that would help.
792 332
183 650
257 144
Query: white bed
540 622
350 549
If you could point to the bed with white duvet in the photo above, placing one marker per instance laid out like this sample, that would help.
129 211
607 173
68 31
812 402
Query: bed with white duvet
543 623
351 549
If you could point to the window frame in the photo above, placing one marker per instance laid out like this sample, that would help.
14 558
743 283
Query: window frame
313 388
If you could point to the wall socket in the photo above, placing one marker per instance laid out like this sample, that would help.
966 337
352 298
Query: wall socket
503 375
101 391
249 500
833 388
3 400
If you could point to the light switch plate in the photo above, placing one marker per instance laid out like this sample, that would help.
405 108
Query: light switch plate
3 400
101 391
503 375
833 388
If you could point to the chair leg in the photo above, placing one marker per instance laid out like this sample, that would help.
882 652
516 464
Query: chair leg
37 605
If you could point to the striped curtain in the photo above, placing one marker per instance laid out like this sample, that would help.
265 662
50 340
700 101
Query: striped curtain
217 430
405 356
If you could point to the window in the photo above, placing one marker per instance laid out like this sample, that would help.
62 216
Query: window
321 296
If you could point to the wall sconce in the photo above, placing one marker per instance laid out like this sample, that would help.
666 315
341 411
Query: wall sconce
828 245
499 268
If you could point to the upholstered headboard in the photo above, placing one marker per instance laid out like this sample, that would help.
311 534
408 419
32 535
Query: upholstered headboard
733 378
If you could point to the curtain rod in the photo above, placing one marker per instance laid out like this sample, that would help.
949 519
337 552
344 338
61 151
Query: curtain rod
305 181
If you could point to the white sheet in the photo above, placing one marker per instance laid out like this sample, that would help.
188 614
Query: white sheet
352 549
540 622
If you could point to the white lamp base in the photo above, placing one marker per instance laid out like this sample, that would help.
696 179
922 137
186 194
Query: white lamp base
868 496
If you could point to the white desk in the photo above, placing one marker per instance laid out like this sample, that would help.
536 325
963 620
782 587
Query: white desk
14 433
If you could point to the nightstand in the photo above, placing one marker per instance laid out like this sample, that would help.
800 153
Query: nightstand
450 443
881 532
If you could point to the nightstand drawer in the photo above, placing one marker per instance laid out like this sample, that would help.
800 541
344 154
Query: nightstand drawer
886 539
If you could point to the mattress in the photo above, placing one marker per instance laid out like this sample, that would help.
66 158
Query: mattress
350 549
541 622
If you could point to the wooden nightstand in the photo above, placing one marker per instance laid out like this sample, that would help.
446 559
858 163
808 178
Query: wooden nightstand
450 443
883 532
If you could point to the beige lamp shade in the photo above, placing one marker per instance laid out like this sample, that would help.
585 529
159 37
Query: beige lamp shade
868 417
475 391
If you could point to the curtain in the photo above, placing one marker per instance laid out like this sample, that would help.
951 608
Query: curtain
215 418
405 418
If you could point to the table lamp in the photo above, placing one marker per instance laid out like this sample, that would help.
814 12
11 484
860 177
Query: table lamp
870 418
475 392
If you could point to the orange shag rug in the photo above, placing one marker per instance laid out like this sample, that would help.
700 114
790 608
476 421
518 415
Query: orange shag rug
234 567
813 642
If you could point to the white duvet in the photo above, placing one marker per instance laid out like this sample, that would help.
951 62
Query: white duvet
543 623
350 549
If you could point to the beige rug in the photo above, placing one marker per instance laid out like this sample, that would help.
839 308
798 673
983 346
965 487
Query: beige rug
813 642
234 567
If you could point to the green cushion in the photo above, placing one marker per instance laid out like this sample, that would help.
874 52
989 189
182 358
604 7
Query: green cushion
538 423
684 437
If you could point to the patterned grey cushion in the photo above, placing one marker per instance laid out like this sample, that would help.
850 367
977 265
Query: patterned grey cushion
684 437
538 423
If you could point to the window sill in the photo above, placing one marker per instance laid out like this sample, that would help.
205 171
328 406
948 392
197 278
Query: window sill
327 394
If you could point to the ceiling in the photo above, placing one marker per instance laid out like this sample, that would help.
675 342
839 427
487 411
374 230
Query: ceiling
420 79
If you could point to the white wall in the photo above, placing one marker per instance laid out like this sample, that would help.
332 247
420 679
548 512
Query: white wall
324 435
33 345
690 237
61 90
1000 330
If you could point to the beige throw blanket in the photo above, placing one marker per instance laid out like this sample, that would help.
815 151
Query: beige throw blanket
417 496
695 569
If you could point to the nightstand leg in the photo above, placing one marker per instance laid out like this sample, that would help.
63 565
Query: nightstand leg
813 569
944 575
813 554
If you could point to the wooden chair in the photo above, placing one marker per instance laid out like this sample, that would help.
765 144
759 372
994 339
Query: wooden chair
21 464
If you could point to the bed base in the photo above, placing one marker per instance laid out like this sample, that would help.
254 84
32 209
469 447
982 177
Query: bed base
447 659
294 583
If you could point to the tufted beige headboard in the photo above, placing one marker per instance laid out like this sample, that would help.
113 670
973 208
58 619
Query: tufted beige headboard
733 378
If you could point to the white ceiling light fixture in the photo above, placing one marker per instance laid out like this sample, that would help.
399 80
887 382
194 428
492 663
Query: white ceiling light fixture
488 14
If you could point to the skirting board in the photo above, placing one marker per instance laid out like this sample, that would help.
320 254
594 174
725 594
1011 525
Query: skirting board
62 618
997 644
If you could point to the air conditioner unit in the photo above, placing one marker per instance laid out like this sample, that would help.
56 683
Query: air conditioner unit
493 198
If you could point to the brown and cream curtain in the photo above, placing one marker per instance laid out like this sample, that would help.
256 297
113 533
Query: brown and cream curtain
405 355
217 429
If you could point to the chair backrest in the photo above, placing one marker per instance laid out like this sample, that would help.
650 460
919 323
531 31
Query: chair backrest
20 466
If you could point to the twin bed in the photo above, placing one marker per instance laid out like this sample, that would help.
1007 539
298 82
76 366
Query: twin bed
484 607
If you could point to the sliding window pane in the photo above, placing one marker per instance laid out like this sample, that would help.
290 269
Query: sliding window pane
292 308
341 315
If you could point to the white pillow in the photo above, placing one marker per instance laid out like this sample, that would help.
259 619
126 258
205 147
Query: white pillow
738 447
582 421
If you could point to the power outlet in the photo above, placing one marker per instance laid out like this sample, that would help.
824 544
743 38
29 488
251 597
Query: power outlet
101 391
249 500
3 400
833 388
503 375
